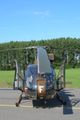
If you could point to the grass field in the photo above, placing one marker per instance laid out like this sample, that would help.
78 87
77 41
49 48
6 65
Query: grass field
6 78
72 78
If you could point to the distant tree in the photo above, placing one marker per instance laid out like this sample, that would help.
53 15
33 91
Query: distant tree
55 46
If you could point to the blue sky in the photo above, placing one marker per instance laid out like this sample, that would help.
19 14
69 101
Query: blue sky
25 20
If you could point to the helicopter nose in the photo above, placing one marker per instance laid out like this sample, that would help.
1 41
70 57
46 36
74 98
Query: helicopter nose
41 89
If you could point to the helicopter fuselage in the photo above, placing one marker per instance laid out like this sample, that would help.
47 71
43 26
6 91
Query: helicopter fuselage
39 86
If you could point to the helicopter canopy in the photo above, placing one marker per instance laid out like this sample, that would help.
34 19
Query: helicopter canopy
31 74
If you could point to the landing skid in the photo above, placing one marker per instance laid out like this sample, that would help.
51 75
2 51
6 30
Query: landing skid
59 97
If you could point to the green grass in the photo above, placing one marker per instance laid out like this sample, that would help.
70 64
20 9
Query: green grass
72 77
6 78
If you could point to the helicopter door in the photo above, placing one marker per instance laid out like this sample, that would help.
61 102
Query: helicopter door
61 77
18 77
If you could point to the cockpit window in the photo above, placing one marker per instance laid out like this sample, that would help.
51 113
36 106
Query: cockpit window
31 75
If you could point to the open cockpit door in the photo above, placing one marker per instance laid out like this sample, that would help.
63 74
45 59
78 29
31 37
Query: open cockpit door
61 77
18 77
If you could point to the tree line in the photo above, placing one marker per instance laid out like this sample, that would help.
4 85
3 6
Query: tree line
59 47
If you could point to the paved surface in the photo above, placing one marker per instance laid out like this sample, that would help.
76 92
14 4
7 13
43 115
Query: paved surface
28 110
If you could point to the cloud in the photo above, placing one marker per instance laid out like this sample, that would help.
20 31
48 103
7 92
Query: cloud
42 13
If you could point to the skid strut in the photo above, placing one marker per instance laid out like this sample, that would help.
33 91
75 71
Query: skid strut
19 101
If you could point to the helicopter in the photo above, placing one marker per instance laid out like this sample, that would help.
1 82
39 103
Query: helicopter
39 81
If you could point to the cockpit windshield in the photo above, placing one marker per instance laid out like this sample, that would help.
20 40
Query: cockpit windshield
31 74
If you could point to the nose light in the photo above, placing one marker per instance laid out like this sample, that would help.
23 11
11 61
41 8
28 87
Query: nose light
41 90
